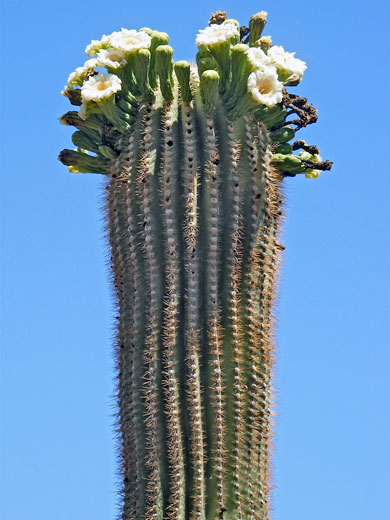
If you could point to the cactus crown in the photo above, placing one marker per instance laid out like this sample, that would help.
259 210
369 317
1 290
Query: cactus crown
244 73
194 157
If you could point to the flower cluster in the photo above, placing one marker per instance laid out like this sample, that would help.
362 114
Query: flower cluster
272 71
272 66
243 73
112 52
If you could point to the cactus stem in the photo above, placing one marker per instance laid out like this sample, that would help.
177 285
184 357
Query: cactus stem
195 156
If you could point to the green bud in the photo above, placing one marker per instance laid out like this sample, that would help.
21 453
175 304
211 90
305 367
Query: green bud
241 68
83 162
203 52
288 163
107 152
182 71
127 107
158 38
209 84
206 63
113 114
82 140
164 68
141 64
282 135
284 148
125 116
256 27
91 126
148 30
221 53
271 116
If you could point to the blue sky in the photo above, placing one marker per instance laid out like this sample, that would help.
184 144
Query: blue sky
331 458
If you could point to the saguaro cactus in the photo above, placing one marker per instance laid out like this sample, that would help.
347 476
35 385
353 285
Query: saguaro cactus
194 157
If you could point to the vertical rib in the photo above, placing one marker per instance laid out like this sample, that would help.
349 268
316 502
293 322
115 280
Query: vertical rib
135 325
268 252
171 195
214 329
255 381
234 275
147 169
192 323
124 342
262 257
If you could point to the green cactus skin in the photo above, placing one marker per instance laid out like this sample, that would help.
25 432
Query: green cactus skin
194 202
194 237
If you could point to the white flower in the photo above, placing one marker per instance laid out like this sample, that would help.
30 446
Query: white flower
111 58
130 41
286 63
94 47
215 34
78 76
258 58
265 87
100 87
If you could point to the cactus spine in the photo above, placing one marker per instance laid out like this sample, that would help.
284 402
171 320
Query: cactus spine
194 159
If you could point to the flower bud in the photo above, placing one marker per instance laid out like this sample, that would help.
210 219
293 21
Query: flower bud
285 149
282 135
148 30
89 126
107 152
288 164
209 84
141 64
83 162
164 67
82 140
182 71
240 70
256 27
158 38
271 116
205 62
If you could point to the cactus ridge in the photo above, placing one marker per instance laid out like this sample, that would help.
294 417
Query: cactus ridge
124 343
195 158
192 313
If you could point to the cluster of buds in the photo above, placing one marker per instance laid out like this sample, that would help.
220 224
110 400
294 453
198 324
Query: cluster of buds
237 67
